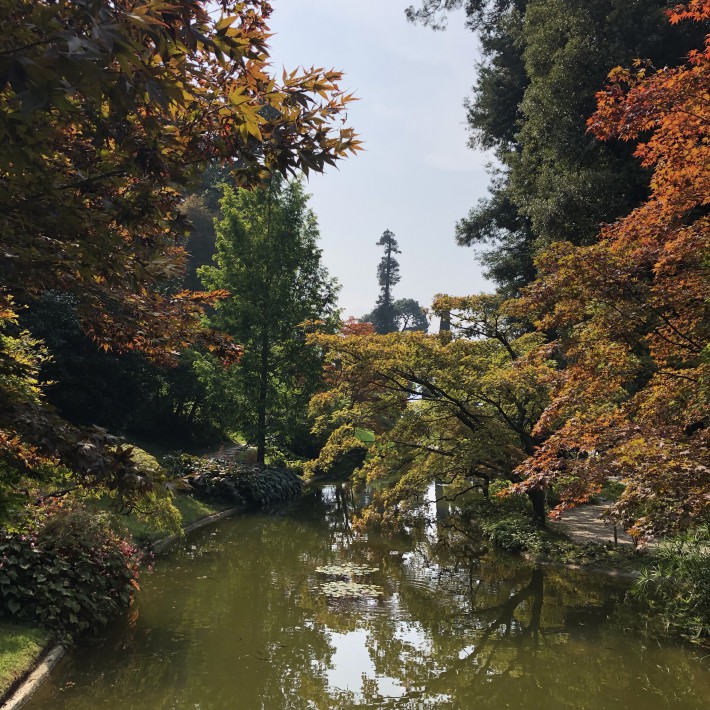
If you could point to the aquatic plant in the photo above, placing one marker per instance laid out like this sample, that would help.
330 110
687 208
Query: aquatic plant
346 570
352 590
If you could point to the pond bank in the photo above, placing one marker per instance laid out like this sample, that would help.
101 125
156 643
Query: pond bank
35 662
291 611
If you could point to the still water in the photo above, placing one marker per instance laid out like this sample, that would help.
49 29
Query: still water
239 617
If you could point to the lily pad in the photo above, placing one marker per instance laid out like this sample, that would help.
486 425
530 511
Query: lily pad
346 570
350 590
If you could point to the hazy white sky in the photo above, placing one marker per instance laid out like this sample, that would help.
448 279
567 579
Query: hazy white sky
416 176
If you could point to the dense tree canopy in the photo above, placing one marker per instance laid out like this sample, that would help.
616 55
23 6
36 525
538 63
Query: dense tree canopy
459 410
107 111
543 61
632 310
621 392
268 259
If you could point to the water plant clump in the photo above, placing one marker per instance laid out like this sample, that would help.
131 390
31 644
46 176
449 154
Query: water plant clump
238 483
350 590
346 570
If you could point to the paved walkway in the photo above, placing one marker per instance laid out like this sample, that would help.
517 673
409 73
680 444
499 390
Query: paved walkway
585 524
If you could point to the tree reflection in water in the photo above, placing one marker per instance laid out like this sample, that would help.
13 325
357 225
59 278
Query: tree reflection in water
236 620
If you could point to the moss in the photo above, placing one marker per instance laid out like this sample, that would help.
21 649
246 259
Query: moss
20 647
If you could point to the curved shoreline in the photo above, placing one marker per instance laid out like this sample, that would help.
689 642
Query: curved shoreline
25 686
21 691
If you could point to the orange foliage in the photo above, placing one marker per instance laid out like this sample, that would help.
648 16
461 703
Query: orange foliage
353 326
632 312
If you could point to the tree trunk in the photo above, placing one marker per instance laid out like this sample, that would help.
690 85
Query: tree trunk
261 404
537 500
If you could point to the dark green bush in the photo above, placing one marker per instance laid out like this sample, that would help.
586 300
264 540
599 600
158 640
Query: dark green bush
68 570
239 483
512 534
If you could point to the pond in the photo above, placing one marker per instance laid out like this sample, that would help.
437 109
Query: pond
291 611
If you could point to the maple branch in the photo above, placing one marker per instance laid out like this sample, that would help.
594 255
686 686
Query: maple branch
422 447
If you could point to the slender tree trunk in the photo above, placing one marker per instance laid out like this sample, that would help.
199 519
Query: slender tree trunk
537 500
261 404
537 497
387 277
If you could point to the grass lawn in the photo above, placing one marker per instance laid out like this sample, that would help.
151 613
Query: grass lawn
20 647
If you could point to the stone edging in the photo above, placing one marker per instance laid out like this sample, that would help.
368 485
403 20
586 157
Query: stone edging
49 657
27 687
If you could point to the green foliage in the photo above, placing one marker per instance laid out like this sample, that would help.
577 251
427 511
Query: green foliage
504 521
410 315
457 408
407 314
68 571
384 315
145 526
674 588
512 535
238 483
269 262
124 392
543 62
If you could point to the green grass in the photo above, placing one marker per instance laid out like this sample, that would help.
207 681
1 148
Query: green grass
146 528
20 647
193 509
143 532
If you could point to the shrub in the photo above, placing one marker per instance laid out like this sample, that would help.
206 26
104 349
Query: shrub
239 483
512 534
68 570
675 587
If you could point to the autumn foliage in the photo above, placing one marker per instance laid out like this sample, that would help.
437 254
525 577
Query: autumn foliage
108 112
631 399
612 383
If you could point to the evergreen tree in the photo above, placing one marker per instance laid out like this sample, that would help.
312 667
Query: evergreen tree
410 315
268 259
543 62
384 315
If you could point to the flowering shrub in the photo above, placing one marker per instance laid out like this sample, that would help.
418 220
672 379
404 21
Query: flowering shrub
68 570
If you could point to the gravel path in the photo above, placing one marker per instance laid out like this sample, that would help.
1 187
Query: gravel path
585 524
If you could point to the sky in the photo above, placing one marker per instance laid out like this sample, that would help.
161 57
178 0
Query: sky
416 176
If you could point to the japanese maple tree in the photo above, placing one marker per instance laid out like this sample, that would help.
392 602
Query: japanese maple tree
108 110
631 398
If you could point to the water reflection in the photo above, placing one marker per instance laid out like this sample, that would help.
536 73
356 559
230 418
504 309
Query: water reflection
237 620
